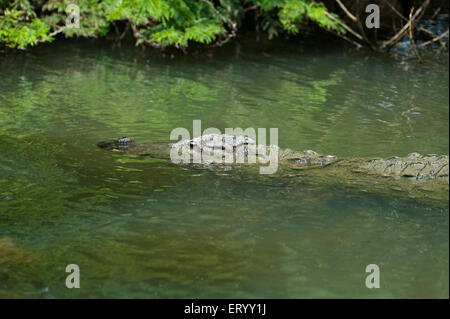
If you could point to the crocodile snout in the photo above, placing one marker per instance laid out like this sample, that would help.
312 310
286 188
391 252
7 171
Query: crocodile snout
119 143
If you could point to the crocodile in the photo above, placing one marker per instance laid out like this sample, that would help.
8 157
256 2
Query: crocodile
415 173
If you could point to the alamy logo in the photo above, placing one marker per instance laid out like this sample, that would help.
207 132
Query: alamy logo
73 16
373 280
373 19
234 147
73 280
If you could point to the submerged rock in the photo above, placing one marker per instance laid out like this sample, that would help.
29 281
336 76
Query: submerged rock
10 253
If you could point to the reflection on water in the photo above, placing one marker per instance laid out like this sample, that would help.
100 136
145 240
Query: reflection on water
154 230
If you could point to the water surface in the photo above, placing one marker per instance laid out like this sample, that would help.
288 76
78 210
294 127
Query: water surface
148 229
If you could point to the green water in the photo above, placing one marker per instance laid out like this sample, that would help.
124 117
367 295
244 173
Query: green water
148 229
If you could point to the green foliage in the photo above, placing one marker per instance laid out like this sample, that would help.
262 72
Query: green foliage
202 31
176 22
92 13
157 22
292 13
18 31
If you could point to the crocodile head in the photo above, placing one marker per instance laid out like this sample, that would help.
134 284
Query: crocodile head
221 149
216 148
121 143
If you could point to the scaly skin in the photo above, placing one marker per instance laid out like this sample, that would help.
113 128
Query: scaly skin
415 174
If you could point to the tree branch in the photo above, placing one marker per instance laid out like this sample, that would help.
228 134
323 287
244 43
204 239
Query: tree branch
443 35
411 34
138 35
391 42
406 19
346 27
351 16
358 45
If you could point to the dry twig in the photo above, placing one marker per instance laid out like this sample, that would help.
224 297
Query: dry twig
411 34
351 16
406 19
346 27
397 37
443 35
